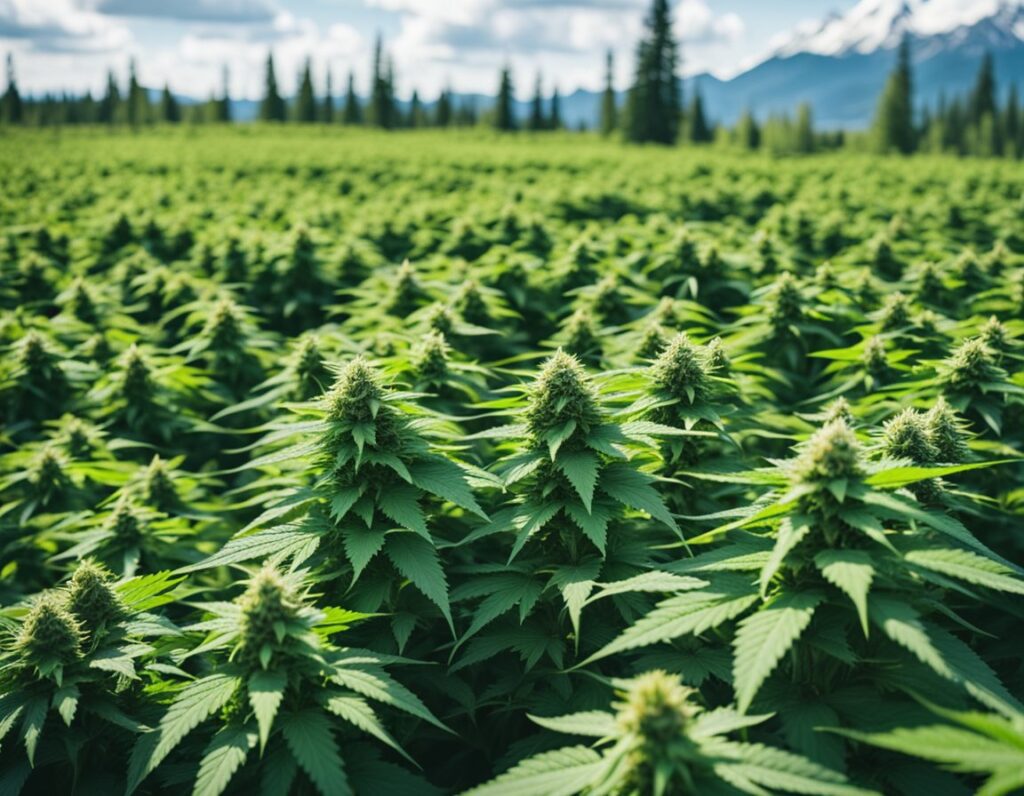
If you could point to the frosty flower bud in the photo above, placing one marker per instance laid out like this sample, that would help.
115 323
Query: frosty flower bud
656 709
927 322
945 433
579 334
92 598
971 364
685 249
311 371
357 395
269 605
785 306
562 392
680 371
996 260
126 523
607 300
34 356
839 409
884 259
137 385
439 318
995 335
79 438
929 283
655 339
82 304
404 292
895 312
717 357
47 475
430 358
833 452
471 304
224 327
158 486
969 269
875 358
665 313
906 437
50 633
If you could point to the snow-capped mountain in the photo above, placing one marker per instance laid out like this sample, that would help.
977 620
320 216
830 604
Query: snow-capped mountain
881 24
840 64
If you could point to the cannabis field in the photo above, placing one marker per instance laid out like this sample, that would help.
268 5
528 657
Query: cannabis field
352 463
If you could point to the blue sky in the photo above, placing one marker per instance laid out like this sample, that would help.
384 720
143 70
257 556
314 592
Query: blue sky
69 44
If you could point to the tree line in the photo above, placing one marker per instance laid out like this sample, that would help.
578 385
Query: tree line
654 110
976 124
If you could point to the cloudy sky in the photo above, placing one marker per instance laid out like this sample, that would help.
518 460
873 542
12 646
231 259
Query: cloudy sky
69 44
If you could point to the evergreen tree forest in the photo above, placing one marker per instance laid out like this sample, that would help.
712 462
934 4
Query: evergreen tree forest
655 108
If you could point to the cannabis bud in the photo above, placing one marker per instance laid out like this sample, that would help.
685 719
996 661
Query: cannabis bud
430 358
945 433
839 409
561 394
405 292
580 335
971 365
785 303
357 395
655 339
875 358
269 605
158 486
895 312
92 598
833 452
656 709
50 634
224 328
906 437
680 371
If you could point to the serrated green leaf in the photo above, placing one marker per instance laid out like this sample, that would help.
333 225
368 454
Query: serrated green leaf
224 755
970 567
851 571
563 772
592 723
764 637
266 690
418 561
357 712
400 503
444 478
308 735
580 467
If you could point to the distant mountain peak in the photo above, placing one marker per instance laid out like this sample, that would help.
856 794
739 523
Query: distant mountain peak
873 25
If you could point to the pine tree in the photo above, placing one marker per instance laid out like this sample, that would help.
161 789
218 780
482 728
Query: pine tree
748 133
109 107
1012 124
504 113
272 107
443 110
223 105
169 111
11 106
609 108
138 103
894 119
305 101
416 116
697 125
327 108
982 100
536 120
555 121
804 134
655 100
353 112
382 99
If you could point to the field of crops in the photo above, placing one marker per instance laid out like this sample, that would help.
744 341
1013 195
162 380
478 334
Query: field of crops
340 463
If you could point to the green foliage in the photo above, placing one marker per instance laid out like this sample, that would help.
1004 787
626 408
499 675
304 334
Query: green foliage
392 467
